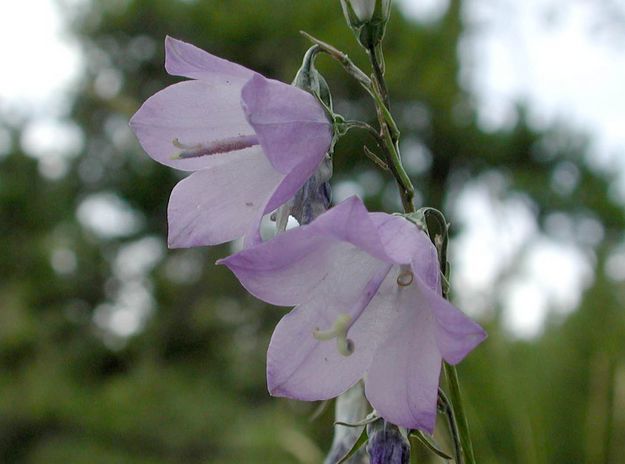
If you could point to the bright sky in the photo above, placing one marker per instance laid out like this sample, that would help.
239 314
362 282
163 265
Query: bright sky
556 55
38 62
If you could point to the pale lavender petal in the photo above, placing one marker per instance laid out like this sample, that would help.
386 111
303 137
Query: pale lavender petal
184 59
402 381
301 367
291 184
405 243
192 117
283 270
217 204
350 221
283 192
290 123
456 334
293 266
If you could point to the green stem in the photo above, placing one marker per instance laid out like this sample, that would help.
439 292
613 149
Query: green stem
390 138
453 425
461 418
406 190
376 58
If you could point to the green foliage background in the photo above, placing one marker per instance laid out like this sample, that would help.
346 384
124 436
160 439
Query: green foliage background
189 386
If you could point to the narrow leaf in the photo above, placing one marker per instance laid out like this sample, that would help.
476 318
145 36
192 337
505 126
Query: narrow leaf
429 444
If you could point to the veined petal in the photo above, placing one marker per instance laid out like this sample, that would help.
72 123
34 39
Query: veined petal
190 117
184 59
291 125
217 204
402 381
456 333
303 367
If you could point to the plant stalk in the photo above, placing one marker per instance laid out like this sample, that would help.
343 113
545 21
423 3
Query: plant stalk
461 419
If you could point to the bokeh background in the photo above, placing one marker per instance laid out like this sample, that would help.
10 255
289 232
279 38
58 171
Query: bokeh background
114 349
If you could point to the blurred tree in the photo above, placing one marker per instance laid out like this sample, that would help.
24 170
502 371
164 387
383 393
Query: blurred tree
115 350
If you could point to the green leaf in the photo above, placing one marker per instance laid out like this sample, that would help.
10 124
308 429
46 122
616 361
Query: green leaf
429 443
362 439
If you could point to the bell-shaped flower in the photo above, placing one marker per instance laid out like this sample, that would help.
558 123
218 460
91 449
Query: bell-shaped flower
367 291
250 141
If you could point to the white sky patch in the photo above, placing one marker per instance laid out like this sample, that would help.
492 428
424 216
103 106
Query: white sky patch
553 278
553 56
526 309
560 270
501 260
424 10
39 61
108 216
345 189
615 265
493 233
130 291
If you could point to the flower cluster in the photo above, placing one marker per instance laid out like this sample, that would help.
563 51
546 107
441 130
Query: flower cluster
366 286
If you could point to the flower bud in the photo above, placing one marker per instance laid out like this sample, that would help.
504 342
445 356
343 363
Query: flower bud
362 9
368 19
388 444
311 80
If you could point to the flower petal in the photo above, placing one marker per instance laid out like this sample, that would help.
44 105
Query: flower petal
283 192
184 59
402 381
405 243
192 114
291 184
291 125
284 270
456 334
301 367
217 204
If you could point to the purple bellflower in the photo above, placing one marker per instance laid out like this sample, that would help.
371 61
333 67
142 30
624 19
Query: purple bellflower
250 141
367 291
